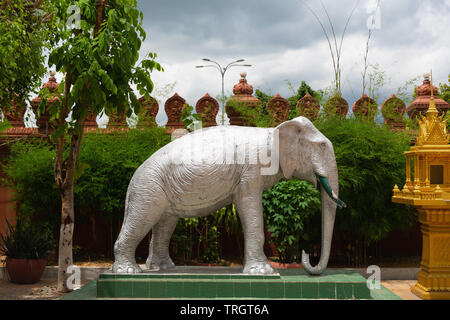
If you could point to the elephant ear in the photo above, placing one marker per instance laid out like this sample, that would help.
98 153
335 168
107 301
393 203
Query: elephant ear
289 138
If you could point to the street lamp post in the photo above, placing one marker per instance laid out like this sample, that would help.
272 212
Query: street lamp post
222 71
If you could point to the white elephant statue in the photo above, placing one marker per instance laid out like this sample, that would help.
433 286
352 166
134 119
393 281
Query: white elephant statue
208 169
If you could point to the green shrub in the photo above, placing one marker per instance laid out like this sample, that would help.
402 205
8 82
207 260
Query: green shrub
29 171
288 206
370 162
196 239
106 165
25 240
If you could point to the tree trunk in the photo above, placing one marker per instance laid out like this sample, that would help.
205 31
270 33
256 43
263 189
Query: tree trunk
64 172
100 6
65 256
65 169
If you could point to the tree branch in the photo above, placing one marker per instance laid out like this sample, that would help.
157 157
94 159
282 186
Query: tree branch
37 4
60 174
5 4
100 6
75 147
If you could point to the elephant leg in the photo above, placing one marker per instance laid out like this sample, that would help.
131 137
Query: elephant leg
159 257
249 207
141 216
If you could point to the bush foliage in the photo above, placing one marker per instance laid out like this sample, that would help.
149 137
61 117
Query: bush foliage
370 162
26 240
288 206
106 165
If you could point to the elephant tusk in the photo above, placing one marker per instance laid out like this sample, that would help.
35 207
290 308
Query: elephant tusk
324 182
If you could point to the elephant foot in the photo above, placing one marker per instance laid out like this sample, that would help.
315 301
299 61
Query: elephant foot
126 267
258 268
154 263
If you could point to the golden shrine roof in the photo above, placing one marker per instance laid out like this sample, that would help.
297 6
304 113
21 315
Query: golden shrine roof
432 127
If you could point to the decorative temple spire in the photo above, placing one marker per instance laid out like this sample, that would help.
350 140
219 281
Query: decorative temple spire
432 108
432 127
43 117
425 93
242 99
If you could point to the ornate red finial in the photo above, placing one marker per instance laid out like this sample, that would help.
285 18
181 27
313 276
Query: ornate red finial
365 107
243 88
308 106
51 85
425 88
15 113
242 99
393 110
149 111
336 106
207 108
278 109
422 102
174 109
43 120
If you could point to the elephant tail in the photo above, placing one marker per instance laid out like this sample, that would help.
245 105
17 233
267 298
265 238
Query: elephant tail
126 207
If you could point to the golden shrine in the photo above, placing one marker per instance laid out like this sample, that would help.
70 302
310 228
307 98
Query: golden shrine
427 187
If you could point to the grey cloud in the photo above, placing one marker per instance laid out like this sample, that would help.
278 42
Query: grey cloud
243 27
183 32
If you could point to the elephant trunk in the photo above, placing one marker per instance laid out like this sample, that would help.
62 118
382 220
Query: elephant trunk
329 195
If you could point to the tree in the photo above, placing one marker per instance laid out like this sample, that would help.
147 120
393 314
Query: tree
25 26
98 58
445 90
406 91
302 90
263 97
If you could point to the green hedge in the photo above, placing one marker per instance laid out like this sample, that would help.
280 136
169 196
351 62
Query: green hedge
370 161
106 165
289 206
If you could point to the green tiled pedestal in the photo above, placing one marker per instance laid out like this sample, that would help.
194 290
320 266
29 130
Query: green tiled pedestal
289 284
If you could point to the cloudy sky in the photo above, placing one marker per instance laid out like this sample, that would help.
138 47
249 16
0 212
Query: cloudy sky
284 43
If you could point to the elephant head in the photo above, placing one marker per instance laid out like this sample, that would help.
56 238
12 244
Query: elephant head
305 153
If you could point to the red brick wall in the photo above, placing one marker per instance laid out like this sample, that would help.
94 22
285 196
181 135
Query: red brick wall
7 209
